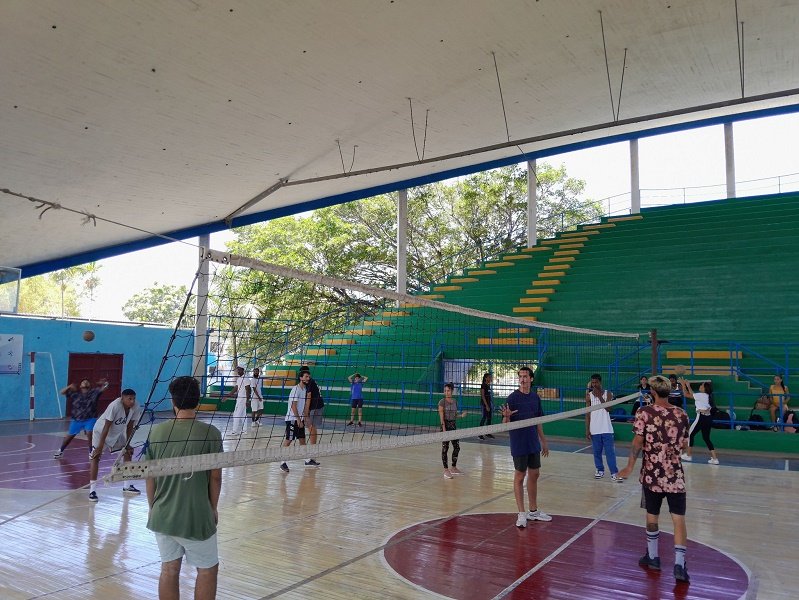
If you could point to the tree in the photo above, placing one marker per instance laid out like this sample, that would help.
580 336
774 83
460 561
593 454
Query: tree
43 295
160 304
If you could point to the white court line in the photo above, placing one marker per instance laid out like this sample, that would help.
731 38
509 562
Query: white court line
31 446
563 546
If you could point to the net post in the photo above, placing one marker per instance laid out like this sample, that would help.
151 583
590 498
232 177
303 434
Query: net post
653 338
33 385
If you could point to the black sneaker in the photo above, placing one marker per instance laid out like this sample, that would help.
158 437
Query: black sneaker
650 563
489 436
311 463
93 498
681 574
481 437
284 467
350 423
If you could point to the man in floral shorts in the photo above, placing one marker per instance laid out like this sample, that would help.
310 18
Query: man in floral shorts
661 432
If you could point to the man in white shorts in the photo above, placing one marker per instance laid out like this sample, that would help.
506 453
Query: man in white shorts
256 400
112 431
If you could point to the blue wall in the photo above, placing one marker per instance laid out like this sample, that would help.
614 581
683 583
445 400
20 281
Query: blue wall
143 348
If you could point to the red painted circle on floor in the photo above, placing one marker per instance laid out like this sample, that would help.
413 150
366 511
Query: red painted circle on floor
481 555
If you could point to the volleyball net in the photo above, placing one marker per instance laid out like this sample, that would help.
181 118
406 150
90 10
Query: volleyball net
379 359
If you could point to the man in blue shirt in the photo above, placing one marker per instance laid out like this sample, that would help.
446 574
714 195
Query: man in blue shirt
527 445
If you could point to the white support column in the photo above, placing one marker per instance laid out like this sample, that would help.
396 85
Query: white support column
729 159
635 183
402 242
200 362
532 205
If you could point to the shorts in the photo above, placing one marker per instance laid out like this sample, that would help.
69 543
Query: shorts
113 444
527 461
357 403
256 404
202 554
651 501
315 417
294 431
75 427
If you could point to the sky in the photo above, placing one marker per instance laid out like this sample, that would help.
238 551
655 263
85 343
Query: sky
669 165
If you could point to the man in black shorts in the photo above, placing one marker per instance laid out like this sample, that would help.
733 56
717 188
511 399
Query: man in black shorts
661 433
527 446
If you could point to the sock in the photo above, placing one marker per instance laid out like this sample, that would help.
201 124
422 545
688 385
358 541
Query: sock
652 538
92 486
679 555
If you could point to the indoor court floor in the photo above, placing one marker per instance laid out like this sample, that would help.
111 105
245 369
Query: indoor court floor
388 525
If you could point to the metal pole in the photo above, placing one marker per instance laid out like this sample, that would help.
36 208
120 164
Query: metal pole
199 364
635 185
532 205
729 159
653 339
402 242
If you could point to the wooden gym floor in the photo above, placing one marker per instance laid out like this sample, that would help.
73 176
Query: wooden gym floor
388 525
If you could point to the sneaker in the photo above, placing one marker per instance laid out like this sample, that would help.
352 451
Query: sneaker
284 467
456 471
649 563
481 437
58 454
350 423
130 490
713 461
447 474
360 424
537 515
521 520
599 475
311 463
489 436
615 477
686 457
681 574
93 497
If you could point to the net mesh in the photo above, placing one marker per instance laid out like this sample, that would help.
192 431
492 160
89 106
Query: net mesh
403 348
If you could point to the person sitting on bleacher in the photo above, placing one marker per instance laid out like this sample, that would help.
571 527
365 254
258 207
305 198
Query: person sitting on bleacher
779 400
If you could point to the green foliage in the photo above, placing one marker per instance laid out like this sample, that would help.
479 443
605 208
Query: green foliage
160 304
42 295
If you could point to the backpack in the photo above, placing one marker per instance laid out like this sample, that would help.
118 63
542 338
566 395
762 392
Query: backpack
755 420
721 420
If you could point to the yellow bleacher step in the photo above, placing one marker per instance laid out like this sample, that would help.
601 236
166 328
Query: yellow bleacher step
528 309
630 218
548 393
705 354
556 267
538 248
282 372
517 257
542 291
513 330
363 331
502 263
534 300
553 273
464 279
575 234
599 226
377 323
514 341
567 246
699 370
394 313
529 318
298 363
545 282
340 342
408 305
560 259
447 288
431 296
483 272
320 352
566 252
279 381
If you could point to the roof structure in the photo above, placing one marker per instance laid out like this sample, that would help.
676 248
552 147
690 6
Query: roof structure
176 118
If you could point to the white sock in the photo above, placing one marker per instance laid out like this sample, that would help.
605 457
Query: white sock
92 486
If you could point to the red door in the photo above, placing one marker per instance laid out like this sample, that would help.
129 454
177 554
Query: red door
95 367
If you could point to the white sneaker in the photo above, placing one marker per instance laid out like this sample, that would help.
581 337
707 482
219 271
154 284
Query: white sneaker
447 474
615 478
599 475
58 454
537 515
521 520
686 458
713 461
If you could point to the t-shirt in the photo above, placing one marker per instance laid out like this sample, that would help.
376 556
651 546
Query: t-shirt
84 404
486 393
525 440
255 387
450 409
297 395
181 506
701 401
600 419
675 396
118 417
665 433
356 390
316 395
241 387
